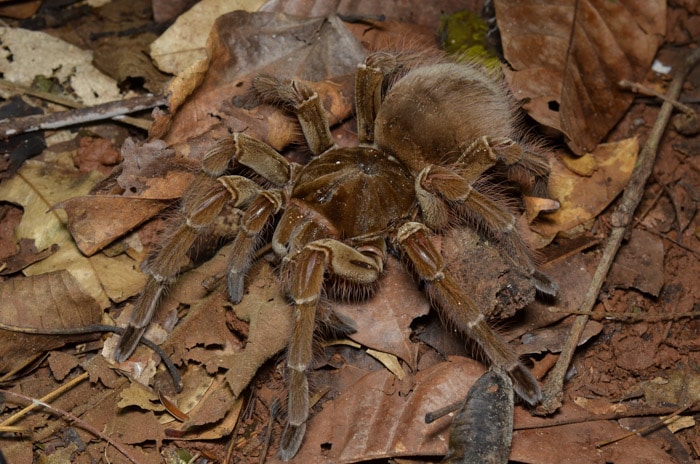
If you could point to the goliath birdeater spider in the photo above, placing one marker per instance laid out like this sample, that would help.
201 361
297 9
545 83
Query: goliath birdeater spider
432 138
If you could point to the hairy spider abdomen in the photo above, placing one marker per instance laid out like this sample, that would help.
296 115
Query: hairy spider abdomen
431 112
359 190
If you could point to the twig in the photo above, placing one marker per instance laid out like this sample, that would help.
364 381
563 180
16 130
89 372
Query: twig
542 423
636 87
625 316
664 421
67 102
621 218
72 418
46 398
14 126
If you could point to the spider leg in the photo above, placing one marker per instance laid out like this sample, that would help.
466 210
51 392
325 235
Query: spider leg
368 98
305 103
261 209
456 307
306 278
524 165
199 207
202 204
442 191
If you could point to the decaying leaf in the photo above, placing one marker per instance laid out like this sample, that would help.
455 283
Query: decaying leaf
389 329
48 301
270 317
29 54
639 264
566 59
387 422
95 221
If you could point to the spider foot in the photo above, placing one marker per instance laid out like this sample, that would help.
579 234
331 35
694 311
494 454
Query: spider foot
290 441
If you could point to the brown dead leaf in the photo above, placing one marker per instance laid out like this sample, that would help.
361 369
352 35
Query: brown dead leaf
639 264
566 59
575 444
386 421
40 185
184 43
151 170
26 256
384 321
62 364
48 301
96 153
95 221
125 58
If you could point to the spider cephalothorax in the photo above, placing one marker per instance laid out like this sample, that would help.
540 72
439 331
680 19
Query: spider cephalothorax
425 146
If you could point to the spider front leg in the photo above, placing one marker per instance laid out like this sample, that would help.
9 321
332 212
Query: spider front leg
303 101
456 307
306 272
200 205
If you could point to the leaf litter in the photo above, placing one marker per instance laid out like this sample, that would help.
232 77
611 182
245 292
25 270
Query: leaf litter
210 358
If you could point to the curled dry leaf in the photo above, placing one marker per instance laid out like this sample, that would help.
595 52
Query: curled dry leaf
566 59
184 43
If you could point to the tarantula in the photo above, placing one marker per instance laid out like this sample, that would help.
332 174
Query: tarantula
425 145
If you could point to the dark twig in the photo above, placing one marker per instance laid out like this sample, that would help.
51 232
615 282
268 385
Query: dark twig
620 220
67 102
14 126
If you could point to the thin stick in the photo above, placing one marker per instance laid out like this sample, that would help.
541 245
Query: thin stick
67 102
72 418
14 126
625 316
664 421
621 218
57 392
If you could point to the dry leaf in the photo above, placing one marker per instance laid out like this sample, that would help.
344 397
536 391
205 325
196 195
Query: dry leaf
270 318
387 422
184 42
566 59
639 264
38 186
28 54
95 221
314 49
583 198
384 321
44 302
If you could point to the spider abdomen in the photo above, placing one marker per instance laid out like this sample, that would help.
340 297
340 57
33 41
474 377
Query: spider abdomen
359 190
430 113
